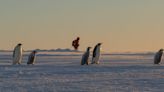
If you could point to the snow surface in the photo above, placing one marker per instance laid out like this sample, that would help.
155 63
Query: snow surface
62 72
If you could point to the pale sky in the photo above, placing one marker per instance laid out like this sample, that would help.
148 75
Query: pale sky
121 25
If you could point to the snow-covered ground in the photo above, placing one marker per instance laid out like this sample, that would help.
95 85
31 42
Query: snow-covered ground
62 72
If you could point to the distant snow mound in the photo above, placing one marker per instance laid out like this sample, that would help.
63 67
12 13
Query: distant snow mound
57 50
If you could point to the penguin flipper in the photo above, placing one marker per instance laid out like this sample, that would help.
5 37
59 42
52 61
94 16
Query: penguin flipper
14 52
94 51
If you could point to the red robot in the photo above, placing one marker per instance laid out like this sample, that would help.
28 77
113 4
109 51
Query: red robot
75 43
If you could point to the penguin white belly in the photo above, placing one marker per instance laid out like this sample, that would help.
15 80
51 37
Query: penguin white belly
96 58
18 56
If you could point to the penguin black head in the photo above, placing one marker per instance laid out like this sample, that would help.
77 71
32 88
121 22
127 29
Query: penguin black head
161 50
89 48
19 44
99 44
34 51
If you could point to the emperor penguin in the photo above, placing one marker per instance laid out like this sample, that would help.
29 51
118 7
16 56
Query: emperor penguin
85 57
158 56
96 54
17 54
31 58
